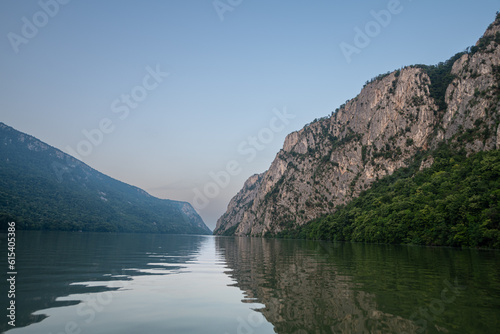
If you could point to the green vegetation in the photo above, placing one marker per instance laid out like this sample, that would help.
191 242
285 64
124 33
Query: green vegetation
380 77
456 202
485 41
441 78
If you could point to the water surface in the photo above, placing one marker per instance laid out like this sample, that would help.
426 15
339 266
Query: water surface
139 283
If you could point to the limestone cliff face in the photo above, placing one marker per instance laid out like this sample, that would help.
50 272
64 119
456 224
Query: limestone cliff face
236 209
473 96
333 159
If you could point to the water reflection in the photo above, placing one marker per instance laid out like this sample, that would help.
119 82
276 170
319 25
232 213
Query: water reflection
58 270
129 283
315 287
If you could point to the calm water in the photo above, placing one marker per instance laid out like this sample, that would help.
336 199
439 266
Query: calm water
125 283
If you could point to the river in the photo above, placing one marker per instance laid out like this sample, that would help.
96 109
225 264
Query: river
142 283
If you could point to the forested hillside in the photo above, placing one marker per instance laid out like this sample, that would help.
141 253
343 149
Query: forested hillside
456 202
43 188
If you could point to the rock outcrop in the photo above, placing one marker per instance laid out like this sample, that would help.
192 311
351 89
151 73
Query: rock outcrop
395 116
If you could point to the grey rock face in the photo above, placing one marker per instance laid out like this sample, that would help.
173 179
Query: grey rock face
332 160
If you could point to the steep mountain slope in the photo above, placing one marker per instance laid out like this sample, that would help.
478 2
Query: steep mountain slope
455 202
44 188
395 116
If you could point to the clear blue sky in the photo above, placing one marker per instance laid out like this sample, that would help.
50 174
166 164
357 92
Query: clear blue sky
89 62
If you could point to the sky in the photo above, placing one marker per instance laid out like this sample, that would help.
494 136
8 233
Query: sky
188 98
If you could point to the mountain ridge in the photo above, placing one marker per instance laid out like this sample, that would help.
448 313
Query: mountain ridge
44 188
395 116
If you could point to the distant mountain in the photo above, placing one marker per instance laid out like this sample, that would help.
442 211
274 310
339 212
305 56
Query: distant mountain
398 119
43 188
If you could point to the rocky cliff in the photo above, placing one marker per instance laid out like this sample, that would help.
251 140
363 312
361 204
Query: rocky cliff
395 116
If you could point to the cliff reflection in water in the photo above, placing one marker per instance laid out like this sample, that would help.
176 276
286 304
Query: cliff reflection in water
308 289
